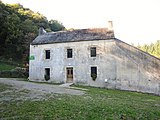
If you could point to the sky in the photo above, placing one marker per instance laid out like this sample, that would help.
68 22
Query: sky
134 21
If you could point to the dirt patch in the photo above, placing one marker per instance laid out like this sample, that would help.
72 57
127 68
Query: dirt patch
23 90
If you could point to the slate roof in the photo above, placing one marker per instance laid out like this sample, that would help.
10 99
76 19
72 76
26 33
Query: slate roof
74 36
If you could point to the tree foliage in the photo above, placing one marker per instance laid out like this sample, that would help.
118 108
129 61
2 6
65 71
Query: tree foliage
153 48
19 26
56 25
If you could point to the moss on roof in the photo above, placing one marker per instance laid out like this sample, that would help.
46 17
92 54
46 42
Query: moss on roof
74 36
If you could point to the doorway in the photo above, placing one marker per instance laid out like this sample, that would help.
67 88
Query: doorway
69 71
47 74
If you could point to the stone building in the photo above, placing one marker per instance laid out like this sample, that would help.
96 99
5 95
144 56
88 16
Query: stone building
93 57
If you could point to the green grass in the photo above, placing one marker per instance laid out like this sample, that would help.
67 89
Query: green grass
7 70
4 87
5 66
96 104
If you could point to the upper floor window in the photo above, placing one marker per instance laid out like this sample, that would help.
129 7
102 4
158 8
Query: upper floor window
69 53
47 54
93 51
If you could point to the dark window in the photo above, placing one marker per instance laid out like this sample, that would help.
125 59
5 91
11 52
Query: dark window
93 70
47 74
69 53
47 52
93 51
47 71
94 73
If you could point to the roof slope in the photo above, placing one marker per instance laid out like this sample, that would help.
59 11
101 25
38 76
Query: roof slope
74 36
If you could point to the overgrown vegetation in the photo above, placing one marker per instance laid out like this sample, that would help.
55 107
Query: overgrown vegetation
94 76
47 77
11 69
15 73
19 26
153 48
96 104
5 66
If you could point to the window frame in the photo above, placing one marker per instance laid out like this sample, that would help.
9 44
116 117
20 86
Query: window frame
69 53
47 54
94 71
47 73
93 51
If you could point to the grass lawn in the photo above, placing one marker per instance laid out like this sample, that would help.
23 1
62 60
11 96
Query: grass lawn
96 104
5 66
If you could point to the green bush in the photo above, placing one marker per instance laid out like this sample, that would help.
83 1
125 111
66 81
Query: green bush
94 76
15 73
46 77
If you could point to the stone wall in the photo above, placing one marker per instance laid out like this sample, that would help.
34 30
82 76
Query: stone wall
81 62
137 70
119 65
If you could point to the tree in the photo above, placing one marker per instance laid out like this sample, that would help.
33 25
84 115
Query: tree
19 26
56 26
153 48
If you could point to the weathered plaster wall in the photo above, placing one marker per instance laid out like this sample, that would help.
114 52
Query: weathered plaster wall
81 61
137 71
115 62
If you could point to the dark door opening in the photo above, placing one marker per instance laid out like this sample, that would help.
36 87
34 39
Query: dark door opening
47 74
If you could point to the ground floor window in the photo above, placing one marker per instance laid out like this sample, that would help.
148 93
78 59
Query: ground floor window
94 73
47 74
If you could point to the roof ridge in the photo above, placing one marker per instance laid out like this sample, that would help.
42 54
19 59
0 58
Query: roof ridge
79 30
74 35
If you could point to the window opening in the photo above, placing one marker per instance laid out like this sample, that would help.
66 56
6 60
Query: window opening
69 53
47 74
47 52
94 73
93 51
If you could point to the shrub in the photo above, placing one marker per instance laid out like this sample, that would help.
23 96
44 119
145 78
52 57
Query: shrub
15 73
46 77
94 76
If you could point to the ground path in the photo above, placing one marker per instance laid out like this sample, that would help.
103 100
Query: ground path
37 90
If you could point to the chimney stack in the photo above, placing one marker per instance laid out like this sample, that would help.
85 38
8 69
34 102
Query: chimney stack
41 31
110 25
